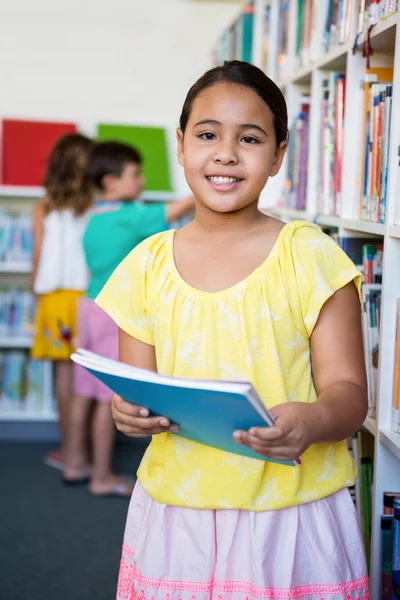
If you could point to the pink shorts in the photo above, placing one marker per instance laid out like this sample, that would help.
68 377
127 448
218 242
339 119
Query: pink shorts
98 333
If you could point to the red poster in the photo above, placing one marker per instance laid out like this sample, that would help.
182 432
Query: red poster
25 147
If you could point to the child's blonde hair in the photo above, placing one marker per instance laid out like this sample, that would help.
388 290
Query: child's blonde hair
66 180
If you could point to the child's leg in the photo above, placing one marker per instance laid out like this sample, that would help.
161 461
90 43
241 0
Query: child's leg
77 460
63 393
104 481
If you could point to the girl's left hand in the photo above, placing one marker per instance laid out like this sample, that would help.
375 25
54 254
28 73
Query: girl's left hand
293 432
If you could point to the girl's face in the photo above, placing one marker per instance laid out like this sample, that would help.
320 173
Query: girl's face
229 149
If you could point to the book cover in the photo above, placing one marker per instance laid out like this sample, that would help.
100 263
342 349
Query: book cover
25 148
207 412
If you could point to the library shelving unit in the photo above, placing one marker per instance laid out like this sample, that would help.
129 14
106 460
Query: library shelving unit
304 73
18 274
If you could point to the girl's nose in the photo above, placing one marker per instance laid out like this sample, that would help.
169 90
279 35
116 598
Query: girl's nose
226 155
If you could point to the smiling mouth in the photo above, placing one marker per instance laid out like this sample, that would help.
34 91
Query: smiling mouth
223 180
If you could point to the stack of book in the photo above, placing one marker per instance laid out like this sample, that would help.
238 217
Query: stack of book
362 449
331 144
236 41
376 143
16 312
370 12
390 546
16 242
283 39
21 382
337 24
296 180
368 256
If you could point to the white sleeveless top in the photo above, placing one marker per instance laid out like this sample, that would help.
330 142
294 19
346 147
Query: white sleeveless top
62 264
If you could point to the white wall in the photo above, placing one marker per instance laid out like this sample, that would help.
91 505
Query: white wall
116 60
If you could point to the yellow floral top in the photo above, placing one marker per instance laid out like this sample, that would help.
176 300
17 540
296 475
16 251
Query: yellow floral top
257 330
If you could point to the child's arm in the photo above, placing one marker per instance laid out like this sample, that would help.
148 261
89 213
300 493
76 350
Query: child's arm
132 419
339 377
176 210
38 231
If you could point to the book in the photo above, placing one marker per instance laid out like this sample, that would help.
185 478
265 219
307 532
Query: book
297 162
16 239
371 318
375 143
206 411
386 556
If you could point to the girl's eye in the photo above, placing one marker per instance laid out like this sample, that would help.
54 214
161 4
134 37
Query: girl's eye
207 136
247 139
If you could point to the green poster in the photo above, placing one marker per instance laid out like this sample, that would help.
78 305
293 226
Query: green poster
152 145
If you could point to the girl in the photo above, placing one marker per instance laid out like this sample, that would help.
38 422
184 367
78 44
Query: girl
59 268
239 295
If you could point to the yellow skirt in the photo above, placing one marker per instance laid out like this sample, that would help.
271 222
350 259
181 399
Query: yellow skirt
56 325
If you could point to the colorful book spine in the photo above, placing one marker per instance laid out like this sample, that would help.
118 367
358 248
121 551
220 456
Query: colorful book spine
386 556
296 181
396 551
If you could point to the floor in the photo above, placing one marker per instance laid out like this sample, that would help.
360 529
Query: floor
58 543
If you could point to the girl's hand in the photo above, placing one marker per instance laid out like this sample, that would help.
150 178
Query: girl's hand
292 434
134 421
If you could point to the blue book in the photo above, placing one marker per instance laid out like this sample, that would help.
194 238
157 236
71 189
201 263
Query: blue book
206 411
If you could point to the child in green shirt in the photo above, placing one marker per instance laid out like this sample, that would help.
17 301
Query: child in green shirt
117 224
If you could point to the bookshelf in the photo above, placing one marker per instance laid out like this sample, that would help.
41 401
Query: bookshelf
31 407
302 74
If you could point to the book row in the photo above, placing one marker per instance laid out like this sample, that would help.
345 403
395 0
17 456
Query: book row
375 143
21 382
16 240
16 312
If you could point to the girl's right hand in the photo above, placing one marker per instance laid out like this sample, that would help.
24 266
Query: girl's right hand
134 420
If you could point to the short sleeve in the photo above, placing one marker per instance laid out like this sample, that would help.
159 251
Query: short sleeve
124 295
322 268
150 218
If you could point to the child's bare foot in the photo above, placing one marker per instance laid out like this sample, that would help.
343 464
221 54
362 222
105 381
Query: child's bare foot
80 474
113 485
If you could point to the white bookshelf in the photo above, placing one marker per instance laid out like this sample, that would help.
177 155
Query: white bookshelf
18 274
294 80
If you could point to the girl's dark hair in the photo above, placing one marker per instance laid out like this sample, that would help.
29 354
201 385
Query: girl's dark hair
110 158
245 74
66 182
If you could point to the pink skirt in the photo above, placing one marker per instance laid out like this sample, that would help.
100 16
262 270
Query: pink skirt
313 552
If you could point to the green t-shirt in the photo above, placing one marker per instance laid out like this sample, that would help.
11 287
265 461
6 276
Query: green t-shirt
111 235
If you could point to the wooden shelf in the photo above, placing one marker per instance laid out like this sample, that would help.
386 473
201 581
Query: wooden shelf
364 226
370 425
21 191
382 34
16 341
327 221
394 231
10 267
21 415
390 440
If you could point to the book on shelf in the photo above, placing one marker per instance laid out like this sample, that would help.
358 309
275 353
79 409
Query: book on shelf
206 411
266 36
16 239
337 23
297 162
236 41
331 144
283 39
371 12
371 313
390 546
395 423
375 144
21 382
16 312
362 446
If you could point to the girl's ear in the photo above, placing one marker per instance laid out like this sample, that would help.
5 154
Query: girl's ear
179 139
279 156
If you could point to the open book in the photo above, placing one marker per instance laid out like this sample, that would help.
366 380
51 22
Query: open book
206 411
